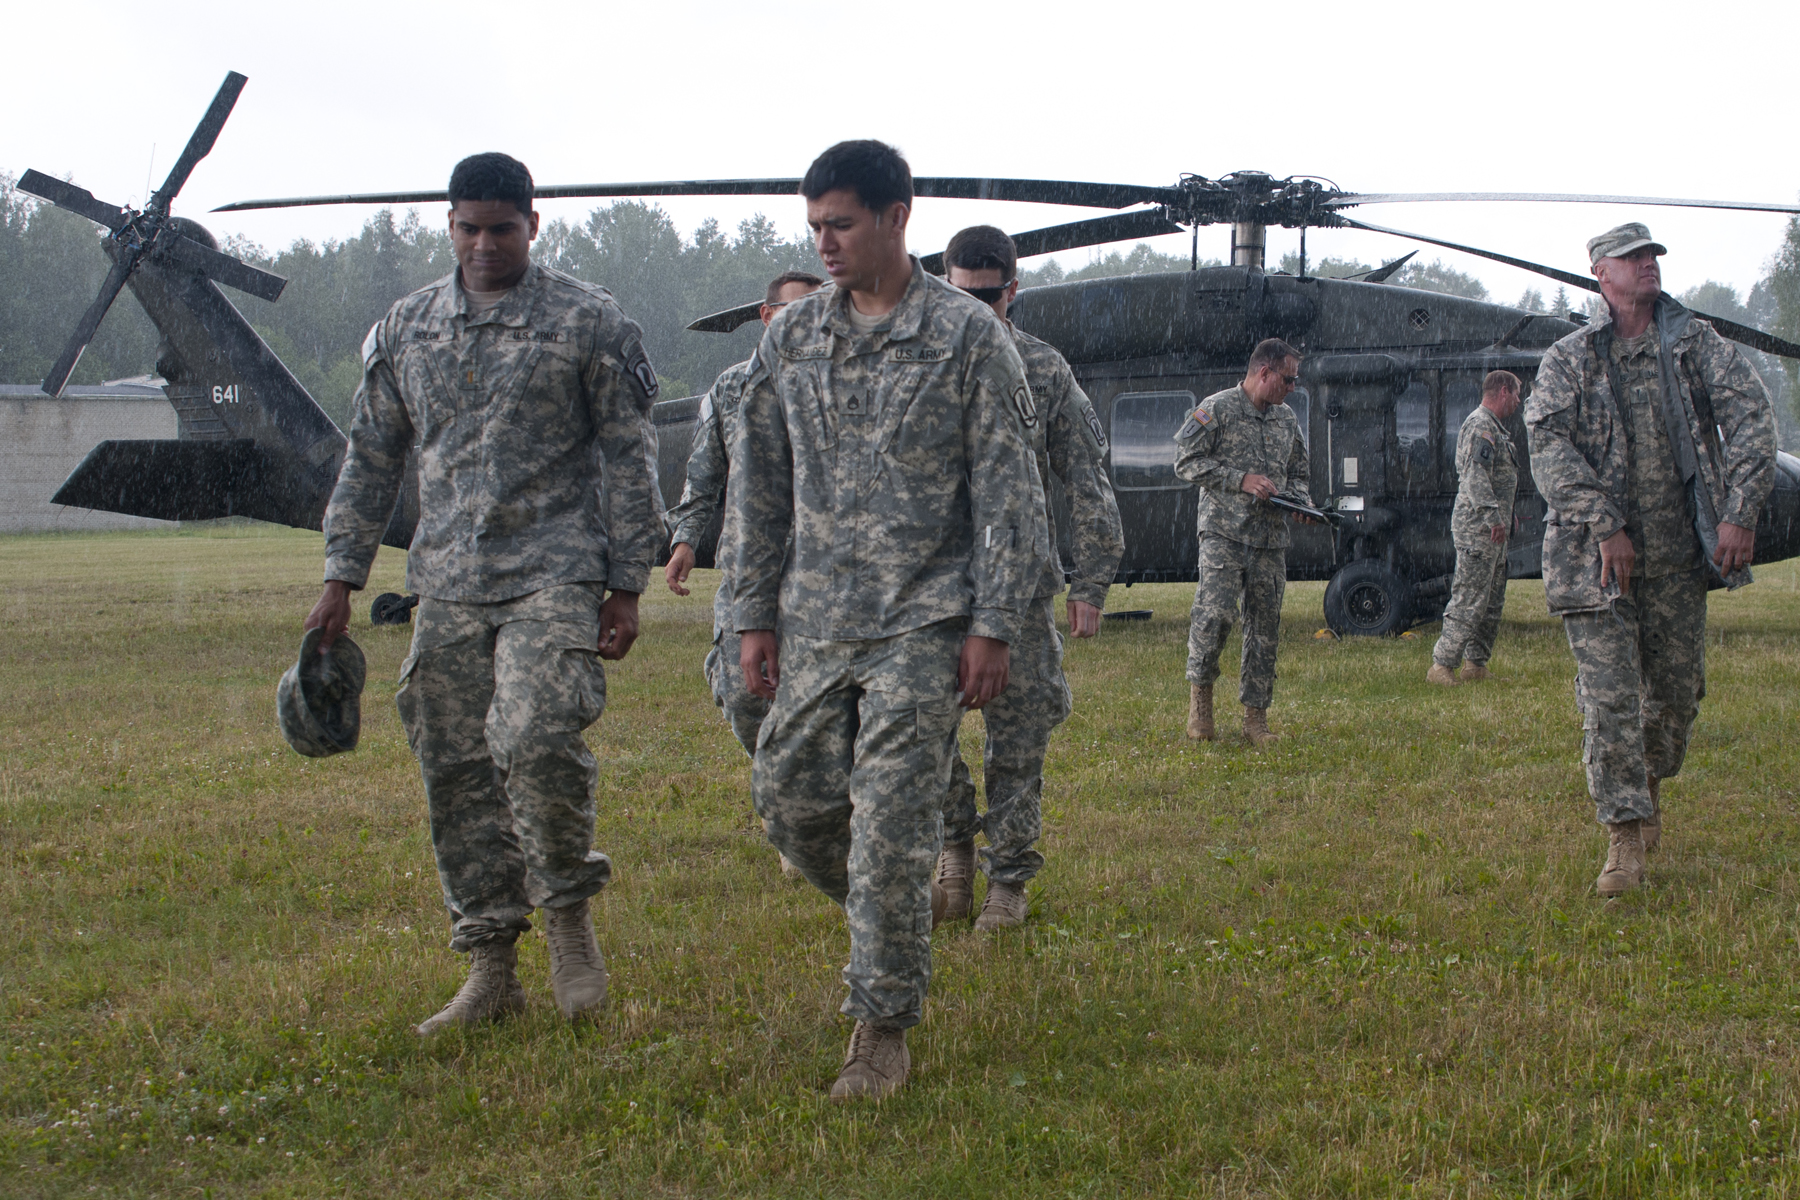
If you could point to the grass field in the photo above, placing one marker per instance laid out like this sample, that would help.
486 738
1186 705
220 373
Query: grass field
1367 961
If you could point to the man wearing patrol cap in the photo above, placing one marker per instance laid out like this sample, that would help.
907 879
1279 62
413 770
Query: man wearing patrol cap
524 395
1487 478
1653 445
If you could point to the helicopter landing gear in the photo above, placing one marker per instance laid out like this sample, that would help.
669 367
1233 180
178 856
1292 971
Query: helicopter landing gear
391 608
1368 598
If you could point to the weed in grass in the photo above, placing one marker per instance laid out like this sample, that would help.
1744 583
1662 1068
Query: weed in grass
1365 961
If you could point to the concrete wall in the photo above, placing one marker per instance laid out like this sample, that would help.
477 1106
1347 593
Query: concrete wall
42 440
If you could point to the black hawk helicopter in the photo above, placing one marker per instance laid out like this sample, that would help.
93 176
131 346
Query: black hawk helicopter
1388 376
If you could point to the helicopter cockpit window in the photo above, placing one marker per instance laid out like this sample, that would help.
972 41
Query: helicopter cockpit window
1412 437
1143 439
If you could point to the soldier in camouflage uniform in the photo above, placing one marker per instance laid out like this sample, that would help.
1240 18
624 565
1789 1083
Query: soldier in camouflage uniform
703 498
1653 445
1487 472
1070 450
1242 446
891 526
525 396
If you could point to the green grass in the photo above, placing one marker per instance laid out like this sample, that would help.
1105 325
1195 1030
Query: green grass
1367 961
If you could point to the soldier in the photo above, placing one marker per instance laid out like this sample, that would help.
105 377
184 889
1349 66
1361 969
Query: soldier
510 383
702 498
1487 473
1242 446
1069 445
891 526
1653 445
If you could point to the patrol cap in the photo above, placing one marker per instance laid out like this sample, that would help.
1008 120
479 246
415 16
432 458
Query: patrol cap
319 700
1621 240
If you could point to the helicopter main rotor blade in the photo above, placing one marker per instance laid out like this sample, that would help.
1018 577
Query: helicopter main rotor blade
1754 338
90 322
223 267
1552 198
77 200
730 319
1036 191
201 143
1096 231
1385 271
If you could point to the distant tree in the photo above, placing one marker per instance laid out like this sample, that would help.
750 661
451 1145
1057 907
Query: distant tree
1141 260
1721 300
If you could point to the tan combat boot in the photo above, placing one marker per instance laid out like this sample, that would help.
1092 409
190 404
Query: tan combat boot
1473 672
956 875
875 1065
577 972
1651 830
940 902
1200 715
1440 674
1003 907
1624 860
1256 726
491 992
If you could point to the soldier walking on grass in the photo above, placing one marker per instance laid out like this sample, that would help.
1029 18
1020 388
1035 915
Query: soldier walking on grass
525 395
1653 445
891 528
1487 473
1069 447
1242 446
702 502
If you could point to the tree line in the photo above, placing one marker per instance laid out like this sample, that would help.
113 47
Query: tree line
51 267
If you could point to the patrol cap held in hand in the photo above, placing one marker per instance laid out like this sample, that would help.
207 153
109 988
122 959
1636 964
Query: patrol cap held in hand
1621 240
319 700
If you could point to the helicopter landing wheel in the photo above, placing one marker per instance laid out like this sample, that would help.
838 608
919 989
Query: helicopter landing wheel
1368 599
391 608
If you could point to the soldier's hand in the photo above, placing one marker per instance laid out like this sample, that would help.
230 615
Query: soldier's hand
759 654
1737 546
618 624
1084 619
681 563
1260 486
1617 557
332 612
1496 534
982 673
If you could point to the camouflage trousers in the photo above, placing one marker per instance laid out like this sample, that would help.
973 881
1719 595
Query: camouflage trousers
494 698
1477 598
849 781
725 675
1640 673
1018 724
1229 570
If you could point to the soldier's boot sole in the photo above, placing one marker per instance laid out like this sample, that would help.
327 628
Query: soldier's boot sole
1004 906
956 876
1200 713
1473 672
577 971
1256 727
492 991
1440 675
1651 830
875 1065
1624 868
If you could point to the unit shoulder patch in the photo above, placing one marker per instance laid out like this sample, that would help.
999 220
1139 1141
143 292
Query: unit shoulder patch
1027 410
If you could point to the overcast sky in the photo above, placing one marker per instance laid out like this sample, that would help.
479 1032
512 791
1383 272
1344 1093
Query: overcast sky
1644 99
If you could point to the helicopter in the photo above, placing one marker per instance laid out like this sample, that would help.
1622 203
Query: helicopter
1388 373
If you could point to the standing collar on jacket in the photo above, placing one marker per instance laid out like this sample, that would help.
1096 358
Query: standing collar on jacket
514 309
907 316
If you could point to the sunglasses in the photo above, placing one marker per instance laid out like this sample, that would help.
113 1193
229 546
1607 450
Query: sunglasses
988 295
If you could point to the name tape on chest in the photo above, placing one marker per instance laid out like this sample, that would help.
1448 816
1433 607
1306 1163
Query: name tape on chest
425 335
918 354
798 353
539 335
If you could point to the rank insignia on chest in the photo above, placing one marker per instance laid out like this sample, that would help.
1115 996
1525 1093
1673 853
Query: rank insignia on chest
923 354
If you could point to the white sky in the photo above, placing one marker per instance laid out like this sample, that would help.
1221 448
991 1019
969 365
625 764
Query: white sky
1646 98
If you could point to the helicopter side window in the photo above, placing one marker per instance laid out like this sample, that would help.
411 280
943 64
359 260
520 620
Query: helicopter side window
1412 437
1462 395
1143 439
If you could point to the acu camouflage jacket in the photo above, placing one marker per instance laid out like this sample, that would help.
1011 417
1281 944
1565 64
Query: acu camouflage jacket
882 481
531 425
1578 447
709 462
1226 439
1071 451
1487 479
